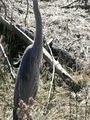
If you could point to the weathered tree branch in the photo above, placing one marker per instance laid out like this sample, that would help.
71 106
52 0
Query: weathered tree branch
67 6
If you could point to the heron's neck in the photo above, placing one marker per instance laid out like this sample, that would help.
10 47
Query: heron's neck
38 36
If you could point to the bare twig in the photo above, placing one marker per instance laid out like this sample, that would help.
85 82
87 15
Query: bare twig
51 85
9 65
4 8
50 91
27 12
10 117
69 4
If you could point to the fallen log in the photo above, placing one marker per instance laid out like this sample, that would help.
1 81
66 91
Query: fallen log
63 56
58 68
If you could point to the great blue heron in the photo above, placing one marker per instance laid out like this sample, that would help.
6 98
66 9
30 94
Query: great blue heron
28 74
